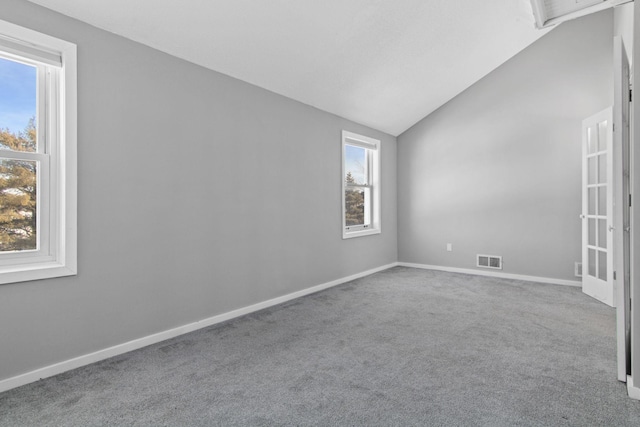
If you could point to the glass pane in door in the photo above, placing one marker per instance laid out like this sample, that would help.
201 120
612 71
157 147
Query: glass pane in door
602 168
602 136
591 170
602 233
592 201
592 262
602 200
592 140
602 265
592 232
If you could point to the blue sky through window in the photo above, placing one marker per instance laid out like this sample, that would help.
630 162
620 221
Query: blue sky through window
17 95
355 161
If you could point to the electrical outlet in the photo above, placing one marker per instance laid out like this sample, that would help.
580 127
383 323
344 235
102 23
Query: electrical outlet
449 247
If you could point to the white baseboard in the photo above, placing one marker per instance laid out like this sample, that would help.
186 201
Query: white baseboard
493 274
76 362
633 392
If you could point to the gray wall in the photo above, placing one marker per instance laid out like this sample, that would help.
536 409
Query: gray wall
198 194
497 170
623 26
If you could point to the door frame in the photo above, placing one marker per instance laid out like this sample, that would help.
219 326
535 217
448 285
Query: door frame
621 205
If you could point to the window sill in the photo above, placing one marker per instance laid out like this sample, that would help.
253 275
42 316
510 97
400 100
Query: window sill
359 233
34 271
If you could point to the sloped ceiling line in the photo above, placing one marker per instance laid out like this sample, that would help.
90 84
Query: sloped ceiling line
385 63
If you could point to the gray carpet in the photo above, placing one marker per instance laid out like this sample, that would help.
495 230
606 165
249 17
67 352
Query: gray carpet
402 347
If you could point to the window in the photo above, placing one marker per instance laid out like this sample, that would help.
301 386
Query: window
360 185
37 155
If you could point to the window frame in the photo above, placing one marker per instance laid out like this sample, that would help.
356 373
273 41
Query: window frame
56 62
372 206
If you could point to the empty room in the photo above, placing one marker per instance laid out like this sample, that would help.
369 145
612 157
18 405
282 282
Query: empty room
293 212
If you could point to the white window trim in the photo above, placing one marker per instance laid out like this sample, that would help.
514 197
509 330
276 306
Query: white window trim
354 139
544 21
61 259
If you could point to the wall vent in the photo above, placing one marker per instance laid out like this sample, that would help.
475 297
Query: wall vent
577 269
489 261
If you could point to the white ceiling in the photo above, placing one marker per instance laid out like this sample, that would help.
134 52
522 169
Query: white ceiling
382 63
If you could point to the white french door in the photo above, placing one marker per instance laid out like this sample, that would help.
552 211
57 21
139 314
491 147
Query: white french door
597 202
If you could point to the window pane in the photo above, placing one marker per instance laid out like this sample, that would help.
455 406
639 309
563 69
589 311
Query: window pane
355 165
17 106
356 202
17 205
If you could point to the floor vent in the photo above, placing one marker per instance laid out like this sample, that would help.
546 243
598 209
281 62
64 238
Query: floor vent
490 261
577 269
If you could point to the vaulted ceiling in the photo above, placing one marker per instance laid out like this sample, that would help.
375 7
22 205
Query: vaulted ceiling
382 63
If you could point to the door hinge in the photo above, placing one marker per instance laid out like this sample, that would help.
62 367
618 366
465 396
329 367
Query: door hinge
614 276
630 95
629 200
